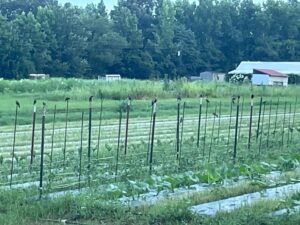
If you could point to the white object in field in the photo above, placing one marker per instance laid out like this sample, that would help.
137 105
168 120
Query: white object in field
35 76
112 77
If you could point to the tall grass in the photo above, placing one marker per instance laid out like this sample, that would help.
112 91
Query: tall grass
79 89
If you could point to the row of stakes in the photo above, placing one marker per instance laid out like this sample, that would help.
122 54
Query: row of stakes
179 130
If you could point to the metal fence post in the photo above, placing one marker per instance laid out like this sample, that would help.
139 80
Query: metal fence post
250 122
66 128
127 123
33 132
259 115
236 128
199 121
14 144
42 150
178 128
90 139
153 132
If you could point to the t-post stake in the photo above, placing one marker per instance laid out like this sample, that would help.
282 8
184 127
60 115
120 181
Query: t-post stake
153 132
33 132
14 144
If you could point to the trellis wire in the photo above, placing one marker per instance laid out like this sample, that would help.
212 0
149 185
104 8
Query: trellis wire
265 126
283 125
178 128
269 123
236 128
219 122
42 152
52 136
241 118
293 123
276 117
80 151
212 133
289 125
205 126
259 118
229 126
100 124
118 146
262 128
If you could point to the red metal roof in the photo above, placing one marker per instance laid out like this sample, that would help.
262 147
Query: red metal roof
269 72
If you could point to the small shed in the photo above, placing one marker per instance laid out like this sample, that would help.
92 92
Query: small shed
38 76
269 77
112 77
212 76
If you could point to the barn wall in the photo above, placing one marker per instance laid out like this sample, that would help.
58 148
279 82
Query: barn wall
284 80
206 76
219 77
260 79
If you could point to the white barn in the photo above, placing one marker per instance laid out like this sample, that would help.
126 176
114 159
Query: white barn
247 67
269 77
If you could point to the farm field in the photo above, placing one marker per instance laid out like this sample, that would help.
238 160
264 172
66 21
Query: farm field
201 149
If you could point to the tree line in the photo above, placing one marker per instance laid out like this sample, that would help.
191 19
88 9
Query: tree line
144 38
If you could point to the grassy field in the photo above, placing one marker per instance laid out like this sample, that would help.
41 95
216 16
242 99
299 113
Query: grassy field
54 91
15 208
112 175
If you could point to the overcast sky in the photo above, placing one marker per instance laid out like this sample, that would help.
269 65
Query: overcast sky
109 3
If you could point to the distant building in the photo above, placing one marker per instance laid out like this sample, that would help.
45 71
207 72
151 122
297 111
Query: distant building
39 76
289 68
269 77
112 77
209 76
212 76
